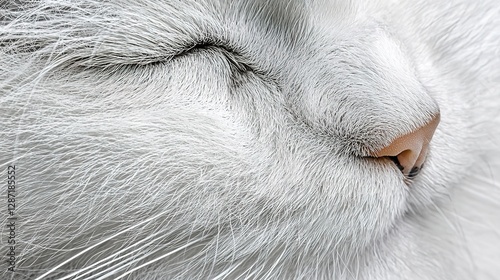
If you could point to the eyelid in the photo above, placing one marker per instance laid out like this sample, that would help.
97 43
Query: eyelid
232 55
208 43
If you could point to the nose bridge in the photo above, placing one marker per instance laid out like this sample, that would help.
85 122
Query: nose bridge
367 94
411 149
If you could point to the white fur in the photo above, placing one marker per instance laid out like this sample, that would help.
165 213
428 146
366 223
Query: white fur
228 139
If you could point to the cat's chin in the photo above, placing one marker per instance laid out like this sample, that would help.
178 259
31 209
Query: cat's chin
362 208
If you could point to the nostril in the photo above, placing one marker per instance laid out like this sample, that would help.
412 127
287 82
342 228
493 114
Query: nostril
396 162
409 151
414 172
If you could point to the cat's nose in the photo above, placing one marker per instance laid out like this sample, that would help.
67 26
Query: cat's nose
410 150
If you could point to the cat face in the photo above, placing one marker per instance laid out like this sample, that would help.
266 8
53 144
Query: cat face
222 139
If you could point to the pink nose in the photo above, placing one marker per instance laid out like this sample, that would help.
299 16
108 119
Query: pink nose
411 149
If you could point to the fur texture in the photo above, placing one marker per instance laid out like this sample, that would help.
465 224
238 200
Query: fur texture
228 139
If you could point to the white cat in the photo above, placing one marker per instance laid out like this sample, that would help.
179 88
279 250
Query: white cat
250 139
